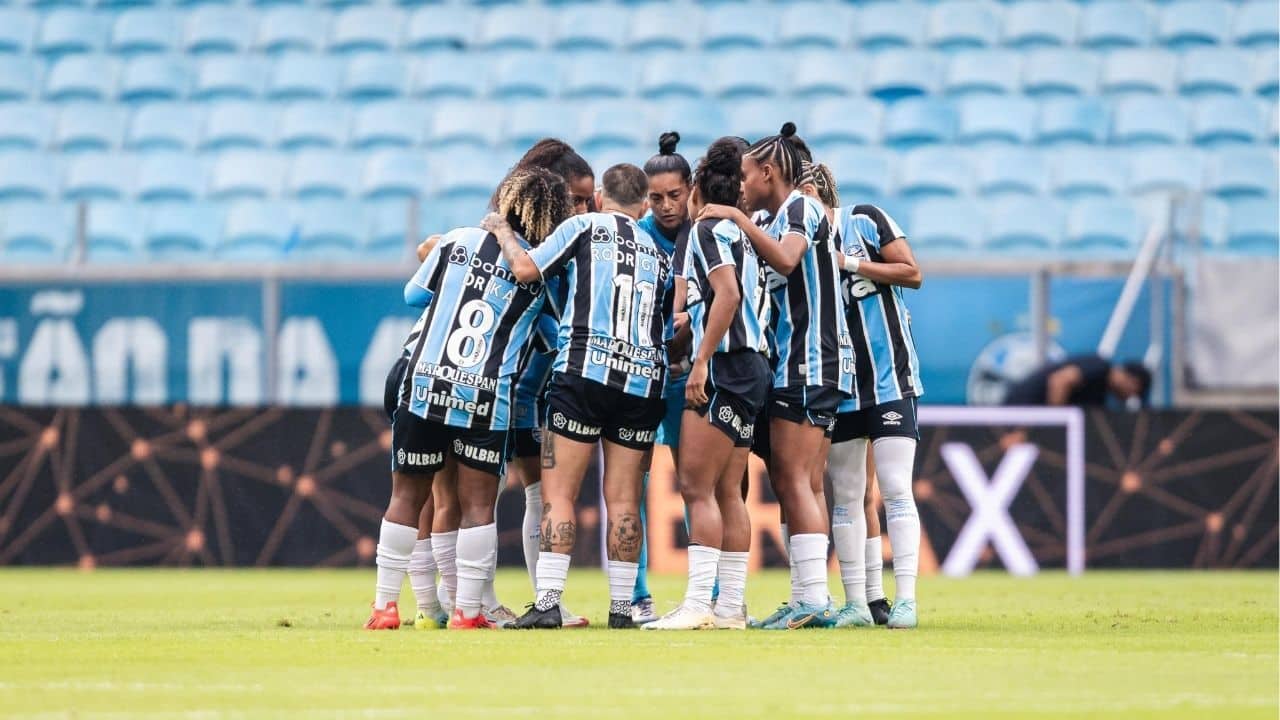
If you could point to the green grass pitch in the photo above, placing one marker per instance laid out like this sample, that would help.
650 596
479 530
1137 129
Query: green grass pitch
288 643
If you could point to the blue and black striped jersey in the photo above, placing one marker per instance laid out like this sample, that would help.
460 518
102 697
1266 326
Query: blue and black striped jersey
715 244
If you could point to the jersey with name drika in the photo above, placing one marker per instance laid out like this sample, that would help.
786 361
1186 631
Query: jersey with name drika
476 333
810 332
613 318
885 359
715 244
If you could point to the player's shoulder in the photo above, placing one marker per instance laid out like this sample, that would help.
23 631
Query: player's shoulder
886 227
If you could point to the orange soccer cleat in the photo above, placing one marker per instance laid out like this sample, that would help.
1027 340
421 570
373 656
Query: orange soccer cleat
385 619
461 622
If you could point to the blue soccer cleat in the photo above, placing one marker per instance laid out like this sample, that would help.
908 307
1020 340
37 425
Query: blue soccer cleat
783 610
903 615
854 615
806 616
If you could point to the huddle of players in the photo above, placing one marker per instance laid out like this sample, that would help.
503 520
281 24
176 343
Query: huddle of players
758 307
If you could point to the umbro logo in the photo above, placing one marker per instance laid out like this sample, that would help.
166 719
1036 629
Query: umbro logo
892 418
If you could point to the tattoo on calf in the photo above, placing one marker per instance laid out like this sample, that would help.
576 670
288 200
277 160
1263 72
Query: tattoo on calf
567 533
544 542
625 535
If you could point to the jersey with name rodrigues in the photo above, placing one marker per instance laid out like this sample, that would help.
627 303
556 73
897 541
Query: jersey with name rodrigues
721 243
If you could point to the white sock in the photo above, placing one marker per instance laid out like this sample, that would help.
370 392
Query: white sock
809 551
477 547
489 596
395 545
422 576
847 470
532 529
622 583
895 462
733 583
795 578
553 569
445 547
875 569
704 562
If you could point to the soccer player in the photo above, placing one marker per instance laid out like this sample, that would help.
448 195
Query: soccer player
877 263
667 222
729 380
607 383
814 356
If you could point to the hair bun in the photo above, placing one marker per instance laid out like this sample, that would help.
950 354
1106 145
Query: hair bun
667 142
788 129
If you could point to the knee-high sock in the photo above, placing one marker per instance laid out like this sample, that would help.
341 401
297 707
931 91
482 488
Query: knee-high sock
532 530
395 546
641 589
847 468
445 547
875 568
809 556
422 576
895 463
477 547
791 563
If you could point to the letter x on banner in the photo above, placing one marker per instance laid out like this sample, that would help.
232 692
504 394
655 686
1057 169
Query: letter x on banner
990 497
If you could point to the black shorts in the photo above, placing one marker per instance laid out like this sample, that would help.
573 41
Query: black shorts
585 411
395 381
421 446
524 442
892 419
801 404
737 386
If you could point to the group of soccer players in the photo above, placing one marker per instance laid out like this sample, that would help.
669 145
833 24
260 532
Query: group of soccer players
725 309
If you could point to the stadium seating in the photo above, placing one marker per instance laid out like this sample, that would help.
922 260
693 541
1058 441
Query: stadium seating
26 127
17 30
1024 225
170 177
113 233
36 233
1253 225
229 77
218 29
1029 25
182 233
165 126
144 30
1204 71
89 127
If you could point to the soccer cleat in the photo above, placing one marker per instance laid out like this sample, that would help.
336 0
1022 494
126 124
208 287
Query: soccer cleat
386 619
783 610
535 619
500 616
903 615
853 615
621 621
732 622
879 610
462 622
569 620
432 621
806 616
643 611
684 618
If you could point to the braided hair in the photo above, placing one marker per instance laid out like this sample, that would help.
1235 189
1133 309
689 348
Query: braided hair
782 152
555 155
822 179
534 201
719 174
668 160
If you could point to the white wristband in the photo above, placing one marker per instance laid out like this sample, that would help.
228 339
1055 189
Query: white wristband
851 263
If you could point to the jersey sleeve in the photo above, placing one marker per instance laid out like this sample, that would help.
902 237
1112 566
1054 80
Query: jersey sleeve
886 229
803 217
714 248
421 288
556 251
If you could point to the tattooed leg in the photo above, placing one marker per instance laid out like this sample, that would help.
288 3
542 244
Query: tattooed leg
624 470
564 463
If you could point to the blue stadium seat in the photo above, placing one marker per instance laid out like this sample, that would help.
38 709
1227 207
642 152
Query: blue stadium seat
530 121
962 24
170 176
68 30
600 75
1011 171
36 232
1089 173
852 121
323 174
446 75
735 27
81 77
17 30
1139 71
245 175
375 76
113 233
525 75
934 172
1273 127
164 126
890 25
89 127
1149 120
27 176
17 77
746 74
394 174
897 74
388 228
182 233
1065 120
441 28
1031 25
1060 72
1253 224
25 127
756 118
513 27
391 124
611 122
1207 71
1204 223
283 29
815 26
919 121
699 125
674 75
590 27
1191 23
996 119
1241 172
1102 224
979 72
605 158
255 230
1266 79
825 73
1024 224
144 30
229 77
218 29
459 175
304 77
312 125
99 176
477 125
238 125
1257 24
1110 25
149 78
944 225
360 29
861 173
1160 170
663 26
1226 120
328 230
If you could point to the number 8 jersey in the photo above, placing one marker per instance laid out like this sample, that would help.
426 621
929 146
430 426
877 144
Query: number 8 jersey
475 335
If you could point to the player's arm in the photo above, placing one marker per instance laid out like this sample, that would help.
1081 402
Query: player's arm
1061 383
724 283
420 288
898 267
783 256
517 257
426 246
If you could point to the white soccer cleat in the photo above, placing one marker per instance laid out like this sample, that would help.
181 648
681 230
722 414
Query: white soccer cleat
569 620
731 622
644 612
684 618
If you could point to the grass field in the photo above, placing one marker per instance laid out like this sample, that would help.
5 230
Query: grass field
161 643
